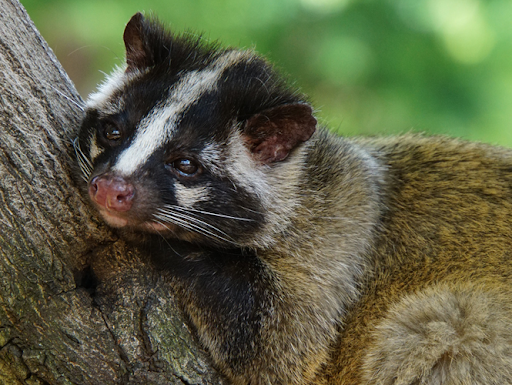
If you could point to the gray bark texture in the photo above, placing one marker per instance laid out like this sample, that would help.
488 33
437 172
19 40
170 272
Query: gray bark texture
77 305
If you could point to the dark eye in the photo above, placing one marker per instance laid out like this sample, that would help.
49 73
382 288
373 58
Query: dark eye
186 167
111 132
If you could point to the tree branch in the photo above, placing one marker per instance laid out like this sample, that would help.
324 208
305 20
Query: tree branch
77 305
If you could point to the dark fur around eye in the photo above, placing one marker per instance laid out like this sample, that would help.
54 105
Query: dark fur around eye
110 133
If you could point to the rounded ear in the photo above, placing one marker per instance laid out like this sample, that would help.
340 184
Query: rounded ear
138 54
273 133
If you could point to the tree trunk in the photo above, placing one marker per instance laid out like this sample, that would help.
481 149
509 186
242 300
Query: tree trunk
77 305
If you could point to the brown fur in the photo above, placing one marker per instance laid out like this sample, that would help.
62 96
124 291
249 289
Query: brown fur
436 306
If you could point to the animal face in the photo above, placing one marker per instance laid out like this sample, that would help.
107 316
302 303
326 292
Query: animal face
180 140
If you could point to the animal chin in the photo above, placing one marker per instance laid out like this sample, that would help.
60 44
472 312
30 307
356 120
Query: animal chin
171 231
157 227
114 220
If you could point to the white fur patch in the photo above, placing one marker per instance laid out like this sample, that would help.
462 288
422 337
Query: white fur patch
94 150
244 170
210 157
187 196
113 82
158 126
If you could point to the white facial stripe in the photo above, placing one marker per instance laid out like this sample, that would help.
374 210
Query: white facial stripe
243 169
94 150
210 157
157 127
187 196
113 82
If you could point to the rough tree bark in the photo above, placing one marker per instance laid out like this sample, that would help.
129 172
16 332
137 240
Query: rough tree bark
77 305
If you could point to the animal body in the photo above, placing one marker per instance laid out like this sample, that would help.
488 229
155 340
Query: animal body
305 258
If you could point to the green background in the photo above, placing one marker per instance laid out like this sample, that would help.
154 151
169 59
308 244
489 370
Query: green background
369 67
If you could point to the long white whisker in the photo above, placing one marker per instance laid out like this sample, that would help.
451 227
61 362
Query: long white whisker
84 168
194 219
196 223
76 145
68 98
165 240
250 210
81 158
191 227
83 162
84 172
192 223
210 213
170 219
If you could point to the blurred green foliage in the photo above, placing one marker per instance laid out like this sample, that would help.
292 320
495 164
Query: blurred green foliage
369 66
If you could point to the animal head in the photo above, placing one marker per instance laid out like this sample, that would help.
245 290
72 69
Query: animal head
180 140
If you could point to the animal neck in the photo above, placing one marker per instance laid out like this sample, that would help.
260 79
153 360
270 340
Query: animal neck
332 203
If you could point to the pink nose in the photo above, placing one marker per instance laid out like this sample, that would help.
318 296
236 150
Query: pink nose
112 193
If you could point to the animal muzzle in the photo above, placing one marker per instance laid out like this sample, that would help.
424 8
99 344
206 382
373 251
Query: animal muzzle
112 193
